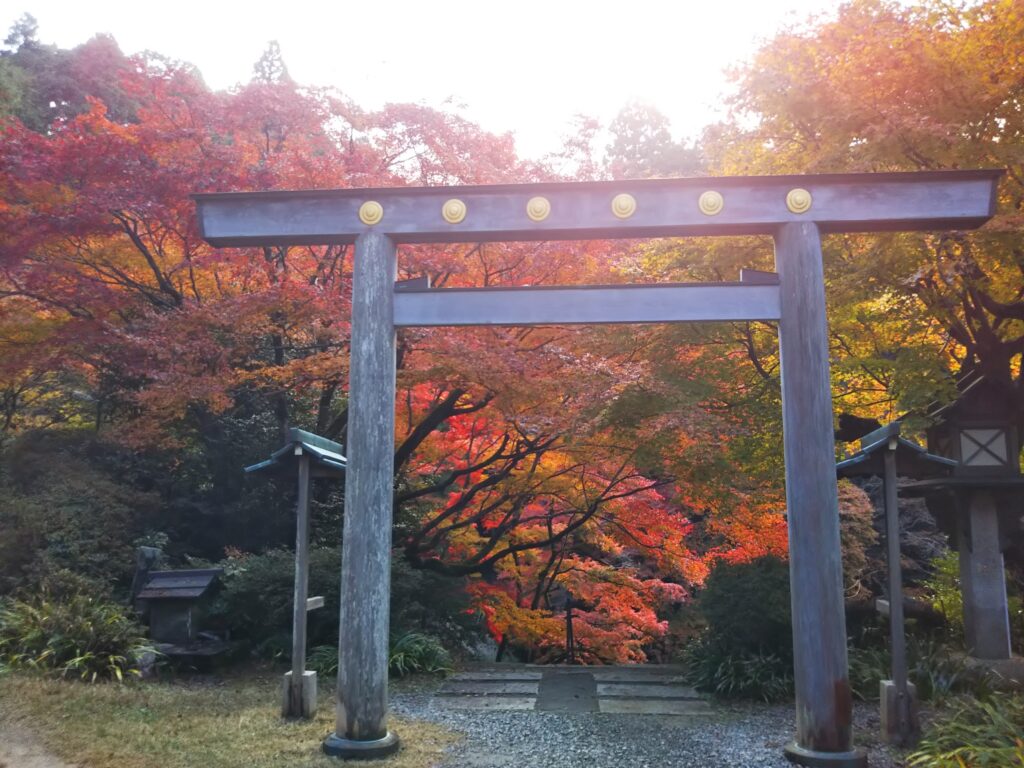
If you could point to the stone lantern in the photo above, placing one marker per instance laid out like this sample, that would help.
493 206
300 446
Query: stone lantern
978 504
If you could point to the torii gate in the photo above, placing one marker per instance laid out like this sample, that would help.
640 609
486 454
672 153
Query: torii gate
794 210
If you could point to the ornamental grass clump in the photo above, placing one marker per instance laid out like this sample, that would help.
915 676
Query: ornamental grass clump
77 636
979 733
409 652
938 671
418 652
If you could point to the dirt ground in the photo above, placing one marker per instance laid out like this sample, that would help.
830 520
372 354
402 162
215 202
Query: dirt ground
19 749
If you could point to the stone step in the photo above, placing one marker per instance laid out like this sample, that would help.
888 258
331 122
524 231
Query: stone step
616 675
627 690
634 690
654 707
498 675
489 688
519 703
563 691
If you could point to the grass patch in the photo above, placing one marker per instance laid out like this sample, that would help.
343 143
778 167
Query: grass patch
228 723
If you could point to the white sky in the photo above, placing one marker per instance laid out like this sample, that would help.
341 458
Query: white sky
526 67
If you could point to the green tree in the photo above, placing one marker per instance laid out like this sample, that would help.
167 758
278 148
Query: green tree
642 146
270 68
887 87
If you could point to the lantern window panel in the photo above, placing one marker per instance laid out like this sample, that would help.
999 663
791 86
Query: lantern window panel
983 447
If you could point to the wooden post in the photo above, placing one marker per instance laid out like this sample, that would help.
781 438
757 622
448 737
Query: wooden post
361 728
823 698
296 702
905 731
570 640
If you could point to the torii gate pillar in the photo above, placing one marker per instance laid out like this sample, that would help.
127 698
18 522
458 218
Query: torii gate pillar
824 702
361 727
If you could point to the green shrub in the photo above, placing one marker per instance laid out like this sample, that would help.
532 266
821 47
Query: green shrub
433 604
944 590
940 672
866 667
75 636
746 606
410 652
737 674
61 508
746 650
975 733
943 586
255 601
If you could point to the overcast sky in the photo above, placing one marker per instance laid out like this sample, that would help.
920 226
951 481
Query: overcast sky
526 67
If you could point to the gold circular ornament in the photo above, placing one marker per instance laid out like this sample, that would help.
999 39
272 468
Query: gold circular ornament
798 200
538 208
371 212
624 205
453 211
711 203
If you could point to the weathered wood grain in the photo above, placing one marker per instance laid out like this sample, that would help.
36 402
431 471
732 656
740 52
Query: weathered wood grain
366 539
666 303
298 704
581 210
823 698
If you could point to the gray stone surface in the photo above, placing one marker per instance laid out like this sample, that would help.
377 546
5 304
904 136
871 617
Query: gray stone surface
490 687
639 690
565 691
984 584
486 674
654 707
299 700
489 703
631 689
625 675
747 736
645 691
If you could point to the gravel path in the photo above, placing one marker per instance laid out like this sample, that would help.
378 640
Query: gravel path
734 737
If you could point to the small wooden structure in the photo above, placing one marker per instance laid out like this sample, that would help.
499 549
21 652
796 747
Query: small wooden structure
308 456
174 602
884 453
978 504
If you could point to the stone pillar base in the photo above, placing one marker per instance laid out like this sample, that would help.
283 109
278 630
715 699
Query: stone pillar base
855 758
891 732
300 702
335 746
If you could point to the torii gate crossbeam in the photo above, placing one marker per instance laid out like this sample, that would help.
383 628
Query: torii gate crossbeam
794 210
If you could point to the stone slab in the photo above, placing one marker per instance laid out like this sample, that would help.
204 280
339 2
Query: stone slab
303 702
1009 673
652 690
629 676
486 674
562 691
488 703
654 707
487 687
890 720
